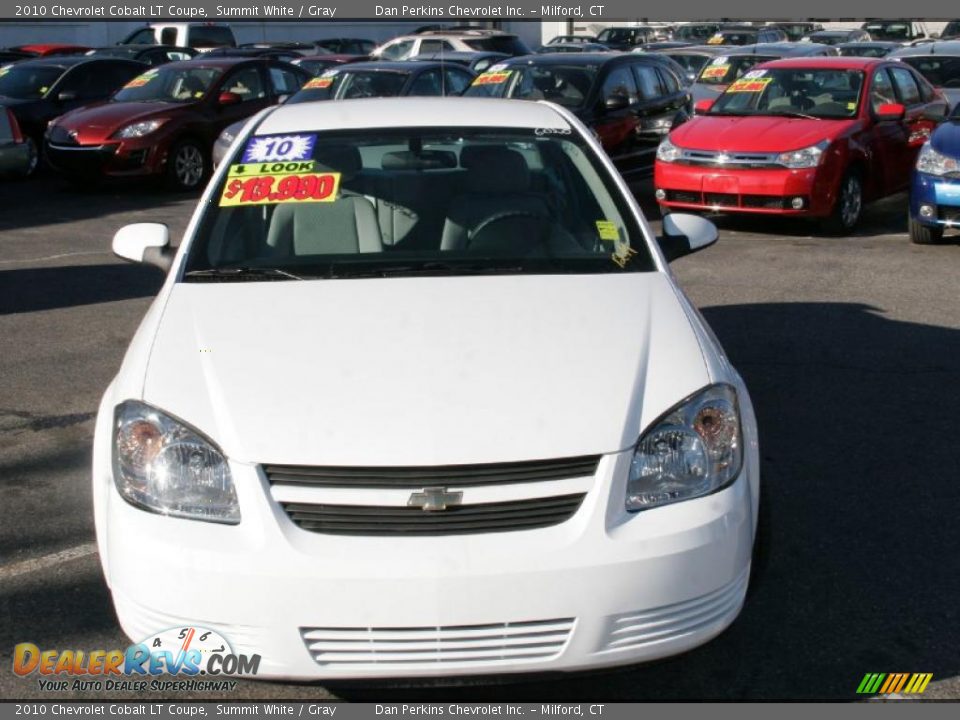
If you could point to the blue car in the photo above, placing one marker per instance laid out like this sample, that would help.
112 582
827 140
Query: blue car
935 187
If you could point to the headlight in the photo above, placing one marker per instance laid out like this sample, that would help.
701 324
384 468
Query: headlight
806 158
692 451
162 465
139 129
667 151
934 163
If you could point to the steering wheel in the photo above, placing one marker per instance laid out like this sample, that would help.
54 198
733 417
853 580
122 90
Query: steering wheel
511 215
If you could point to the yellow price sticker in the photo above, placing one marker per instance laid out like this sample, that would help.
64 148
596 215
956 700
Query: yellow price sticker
280 187
492 78
607 230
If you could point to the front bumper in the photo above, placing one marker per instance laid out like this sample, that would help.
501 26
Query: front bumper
604 588
941 195
120 159
765 191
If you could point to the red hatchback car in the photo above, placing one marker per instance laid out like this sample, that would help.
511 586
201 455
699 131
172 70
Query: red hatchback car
809 137
164 122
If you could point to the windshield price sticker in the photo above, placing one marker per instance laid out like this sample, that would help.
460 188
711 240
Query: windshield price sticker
492 78
751 86
279 148
754 74
607 230
275 183
140 80
715 40
318 82
716 71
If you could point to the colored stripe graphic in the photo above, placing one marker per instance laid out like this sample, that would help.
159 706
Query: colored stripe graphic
891 683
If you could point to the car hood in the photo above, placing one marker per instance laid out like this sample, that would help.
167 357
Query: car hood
946 138
14 103
98 122
755 134
424 371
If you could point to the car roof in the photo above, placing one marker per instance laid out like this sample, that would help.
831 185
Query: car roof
68 61
831 33
943 47
400 66
218 61
583 58
694 50
836 62
782 48
410 112
870 43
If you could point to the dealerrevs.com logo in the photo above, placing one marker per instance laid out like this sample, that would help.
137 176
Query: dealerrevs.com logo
184 653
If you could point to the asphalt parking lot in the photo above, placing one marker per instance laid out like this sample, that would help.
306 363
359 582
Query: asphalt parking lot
851 350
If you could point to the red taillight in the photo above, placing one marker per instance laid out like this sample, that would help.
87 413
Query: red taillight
14 127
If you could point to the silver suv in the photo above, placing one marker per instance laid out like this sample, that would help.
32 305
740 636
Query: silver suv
433 42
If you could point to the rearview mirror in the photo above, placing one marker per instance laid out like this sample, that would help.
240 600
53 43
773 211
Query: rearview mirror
147 243
684 234
229 98
891 111
702 107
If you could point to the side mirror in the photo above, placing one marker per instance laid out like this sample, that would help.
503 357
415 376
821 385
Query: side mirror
147 243
228 98
702 107
891 111
67 96
616 102
684 234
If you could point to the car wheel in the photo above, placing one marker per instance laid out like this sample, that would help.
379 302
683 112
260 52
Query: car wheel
924 234
187 166
33 157
849 206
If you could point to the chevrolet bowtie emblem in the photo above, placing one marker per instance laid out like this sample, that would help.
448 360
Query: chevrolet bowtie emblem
433 499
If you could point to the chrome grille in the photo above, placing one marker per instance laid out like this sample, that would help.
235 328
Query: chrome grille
514 642
720 158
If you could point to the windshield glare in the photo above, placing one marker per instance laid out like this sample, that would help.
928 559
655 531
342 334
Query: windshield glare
431 200
817 93
725 69
26 82
567 85
169 85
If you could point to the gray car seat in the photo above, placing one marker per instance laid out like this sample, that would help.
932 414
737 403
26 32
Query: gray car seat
347 225
498 181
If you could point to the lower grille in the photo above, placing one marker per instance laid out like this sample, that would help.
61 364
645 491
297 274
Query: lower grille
684 196
769 202
723 199
521 641
458 520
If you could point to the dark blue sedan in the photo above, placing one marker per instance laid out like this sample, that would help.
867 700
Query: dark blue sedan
935 189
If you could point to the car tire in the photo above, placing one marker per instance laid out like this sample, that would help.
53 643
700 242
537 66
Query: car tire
34 162
848 207
923 234
187 166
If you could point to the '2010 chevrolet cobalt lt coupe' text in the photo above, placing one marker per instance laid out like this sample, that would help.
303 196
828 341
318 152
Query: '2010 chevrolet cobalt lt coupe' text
419 397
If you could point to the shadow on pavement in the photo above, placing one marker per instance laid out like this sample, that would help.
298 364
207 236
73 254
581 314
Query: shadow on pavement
859 452
45 288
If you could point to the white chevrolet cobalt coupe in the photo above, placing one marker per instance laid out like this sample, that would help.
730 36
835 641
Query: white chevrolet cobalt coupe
421 397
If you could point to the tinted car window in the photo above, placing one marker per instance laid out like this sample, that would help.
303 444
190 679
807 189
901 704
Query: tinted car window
168 36
398 50
427 83
353 85
27 82
184 84
620 83
111 76
906 86
647 81
670 82
210 36
695 33
434 46
457 81
693 64
889 31
566 85
782 91
940 70
881 91
141 37
285 82
499 43
952 29
247 83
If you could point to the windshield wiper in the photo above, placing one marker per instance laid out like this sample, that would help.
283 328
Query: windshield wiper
796 114
337 270
243 273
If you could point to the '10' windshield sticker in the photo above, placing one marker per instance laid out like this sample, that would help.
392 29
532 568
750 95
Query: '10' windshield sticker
275 183
751 86
278 148
492 78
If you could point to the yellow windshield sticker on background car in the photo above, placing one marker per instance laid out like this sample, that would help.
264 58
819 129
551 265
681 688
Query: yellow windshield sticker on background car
275 183
318 82
715 40
607 230
492 78
140 80
754 85
716 71
851 106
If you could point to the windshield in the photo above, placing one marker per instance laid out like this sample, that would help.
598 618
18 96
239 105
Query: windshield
795 31
824 94
889 31
724 69
567 85
498 43
940 70
182 84
415 201
694 32
691 64
864 50
350 85
28 82
733 38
